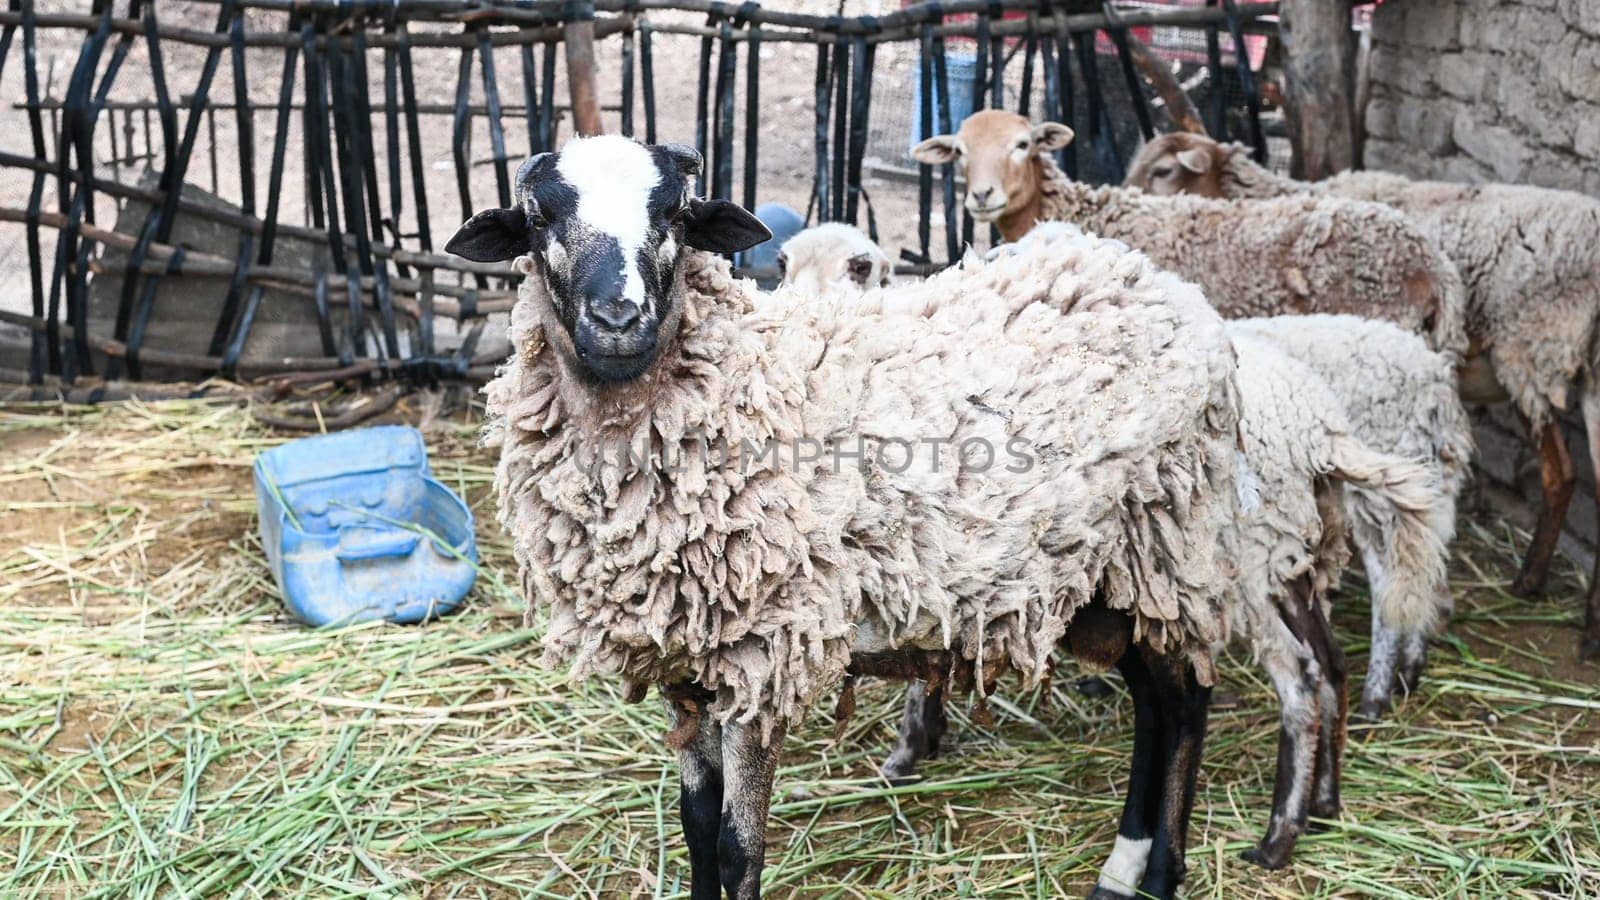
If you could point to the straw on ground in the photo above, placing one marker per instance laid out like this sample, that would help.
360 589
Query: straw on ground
166 730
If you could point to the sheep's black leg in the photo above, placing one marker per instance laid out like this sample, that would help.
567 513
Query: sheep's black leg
1334 703
1292 666
1184 704
1589 647
1142 805
921 726
700 801
748 767
1557 480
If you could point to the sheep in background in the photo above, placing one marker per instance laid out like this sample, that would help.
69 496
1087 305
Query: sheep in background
1291 542
833 259
1401 399
1293 255
1530 258
746 586
1401 516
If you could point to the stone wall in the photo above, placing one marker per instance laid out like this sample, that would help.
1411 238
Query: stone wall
1478 90
1494 90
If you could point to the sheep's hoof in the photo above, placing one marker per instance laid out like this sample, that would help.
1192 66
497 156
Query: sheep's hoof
1589 650
1410 678
1323 809
1100 893
1094 687
1527 585
1267 856
899 769
1364 721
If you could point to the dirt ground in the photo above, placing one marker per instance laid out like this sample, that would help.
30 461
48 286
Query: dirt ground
167 729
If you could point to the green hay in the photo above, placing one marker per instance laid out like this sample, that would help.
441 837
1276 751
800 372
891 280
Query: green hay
167 730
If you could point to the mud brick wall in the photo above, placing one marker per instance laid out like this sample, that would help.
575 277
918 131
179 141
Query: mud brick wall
1494 90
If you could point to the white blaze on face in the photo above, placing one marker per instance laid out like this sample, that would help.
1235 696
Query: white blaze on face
613 177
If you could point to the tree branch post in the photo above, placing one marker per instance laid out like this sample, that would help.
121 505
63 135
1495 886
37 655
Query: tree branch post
579 41
1319 84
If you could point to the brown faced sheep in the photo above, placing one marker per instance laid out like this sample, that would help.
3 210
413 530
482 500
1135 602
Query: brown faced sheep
1295 255
741 502
1530 258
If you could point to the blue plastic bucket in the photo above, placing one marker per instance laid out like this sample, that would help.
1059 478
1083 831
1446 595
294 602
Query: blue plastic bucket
356 528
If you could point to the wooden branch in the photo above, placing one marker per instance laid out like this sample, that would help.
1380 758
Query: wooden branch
1159 76
580 78
1319 59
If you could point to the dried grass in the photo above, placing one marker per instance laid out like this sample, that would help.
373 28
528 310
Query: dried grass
166 730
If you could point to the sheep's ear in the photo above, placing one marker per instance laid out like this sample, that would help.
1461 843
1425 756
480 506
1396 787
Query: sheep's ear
1195 160
722 226
937 150
493 235
1049 136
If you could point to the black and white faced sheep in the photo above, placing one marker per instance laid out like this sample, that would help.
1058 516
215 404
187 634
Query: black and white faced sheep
742 503
1530 259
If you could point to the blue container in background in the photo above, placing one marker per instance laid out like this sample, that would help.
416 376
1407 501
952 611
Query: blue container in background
358 545
784 223
961 72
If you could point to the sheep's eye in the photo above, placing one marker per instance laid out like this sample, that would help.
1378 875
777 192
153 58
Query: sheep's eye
860 267
1022 144
1162 172
536 217
783 264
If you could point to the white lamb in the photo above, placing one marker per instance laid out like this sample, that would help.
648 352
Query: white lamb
833 259
1400 398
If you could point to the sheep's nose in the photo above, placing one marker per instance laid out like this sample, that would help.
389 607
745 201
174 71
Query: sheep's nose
615 313
982 196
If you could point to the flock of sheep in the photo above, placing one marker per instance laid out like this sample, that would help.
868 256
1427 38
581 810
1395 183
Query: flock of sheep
1078 441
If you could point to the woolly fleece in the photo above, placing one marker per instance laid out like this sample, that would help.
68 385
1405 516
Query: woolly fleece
1400 399
1291 255
1295 434
758 581
1529 257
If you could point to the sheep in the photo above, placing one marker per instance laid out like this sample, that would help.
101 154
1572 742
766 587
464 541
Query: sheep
1400 398
1530 259
1294 545
833 258
1295 394
1291 545
1294 255
669 538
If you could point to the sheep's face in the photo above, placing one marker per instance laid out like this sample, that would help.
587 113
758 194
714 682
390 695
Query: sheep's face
606 220
833 257
998 152
1178 163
